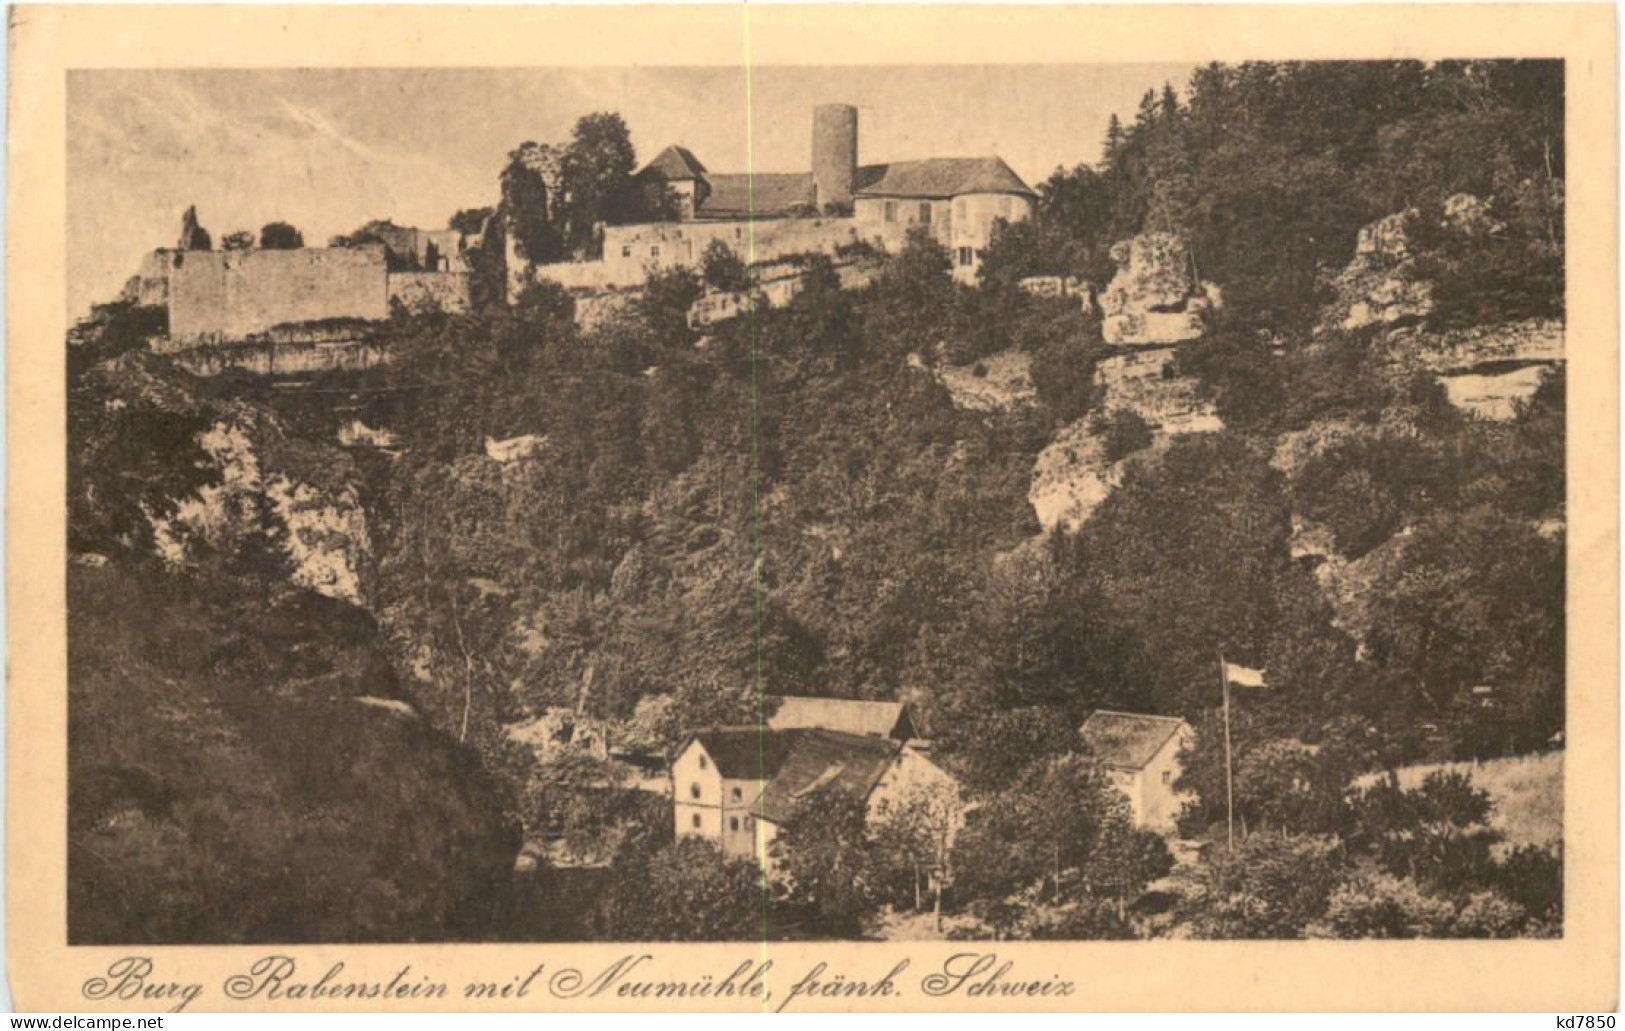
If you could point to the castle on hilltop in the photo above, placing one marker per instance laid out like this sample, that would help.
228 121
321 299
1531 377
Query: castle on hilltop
296 297
838 203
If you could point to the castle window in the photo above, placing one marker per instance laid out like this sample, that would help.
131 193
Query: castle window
733 823
693 791
626 250
696 823
737 796
925 213
891 211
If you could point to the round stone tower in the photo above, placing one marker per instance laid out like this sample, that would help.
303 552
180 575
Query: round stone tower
834 154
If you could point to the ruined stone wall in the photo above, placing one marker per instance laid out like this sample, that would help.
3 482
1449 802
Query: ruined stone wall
427 291
229 295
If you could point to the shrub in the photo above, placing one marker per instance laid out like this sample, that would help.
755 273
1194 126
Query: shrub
722 269
1124 432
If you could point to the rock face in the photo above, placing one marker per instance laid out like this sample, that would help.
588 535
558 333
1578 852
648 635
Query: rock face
1154 298
1380 286
1073 474
320 521
246 770
1486 371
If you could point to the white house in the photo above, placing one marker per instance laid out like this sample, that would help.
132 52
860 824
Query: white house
736 786
1141 754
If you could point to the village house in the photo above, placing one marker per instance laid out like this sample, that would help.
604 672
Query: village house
737 786
1141 755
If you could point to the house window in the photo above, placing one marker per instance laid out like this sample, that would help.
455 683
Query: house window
1167 777
891 211
654 250
694 791
739 233
733 823
737 795
925 213
702 762
881 805
696 823
966 257
626 250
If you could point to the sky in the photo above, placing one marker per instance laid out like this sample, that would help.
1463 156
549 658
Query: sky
328 150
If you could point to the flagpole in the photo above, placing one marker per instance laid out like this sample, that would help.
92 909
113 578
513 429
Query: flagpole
1229 776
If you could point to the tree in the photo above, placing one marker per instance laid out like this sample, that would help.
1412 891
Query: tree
595 172
829 865
721 268
280 236
687 891
1437 834
470 221
241 240
915 835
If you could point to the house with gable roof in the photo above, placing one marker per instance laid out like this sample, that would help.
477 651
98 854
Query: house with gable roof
737 786
1141 755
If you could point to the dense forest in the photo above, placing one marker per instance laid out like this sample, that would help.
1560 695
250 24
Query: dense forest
794 503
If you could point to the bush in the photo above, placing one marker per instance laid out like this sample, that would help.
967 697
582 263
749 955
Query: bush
1124 432
1382 906
687 891
722 269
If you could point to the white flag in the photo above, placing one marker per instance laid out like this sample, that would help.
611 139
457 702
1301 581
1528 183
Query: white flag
1242 676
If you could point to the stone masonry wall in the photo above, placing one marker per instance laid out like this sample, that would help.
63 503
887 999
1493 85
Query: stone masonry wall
229 295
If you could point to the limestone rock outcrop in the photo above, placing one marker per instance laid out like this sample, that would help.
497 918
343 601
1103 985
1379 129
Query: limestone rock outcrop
1381 285
1154 298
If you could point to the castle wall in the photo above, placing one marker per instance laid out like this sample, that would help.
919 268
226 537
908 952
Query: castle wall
228 295
447 291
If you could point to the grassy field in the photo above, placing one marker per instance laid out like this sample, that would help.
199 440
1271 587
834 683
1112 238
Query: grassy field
1527 790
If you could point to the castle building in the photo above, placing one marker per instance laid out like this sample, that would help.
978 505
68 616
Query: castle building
837 203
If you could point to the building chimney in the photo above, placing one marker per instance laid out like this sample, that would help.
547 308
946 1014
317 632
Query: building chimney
834 154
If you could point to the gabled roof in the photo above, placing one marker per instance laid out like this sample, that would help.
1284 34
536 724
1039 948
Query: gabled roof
939 178
848 715
762 194
675 163
819 760
744 753
1127 740
797 763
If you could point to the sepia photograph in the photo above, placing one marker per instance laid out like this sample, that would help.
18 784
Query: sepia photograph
897 503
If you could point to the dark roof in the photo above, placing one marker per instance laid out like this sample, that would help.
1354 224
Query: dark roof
762 194
797 763
939 177
849 715
744 753
825 759
1128 740
675 163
